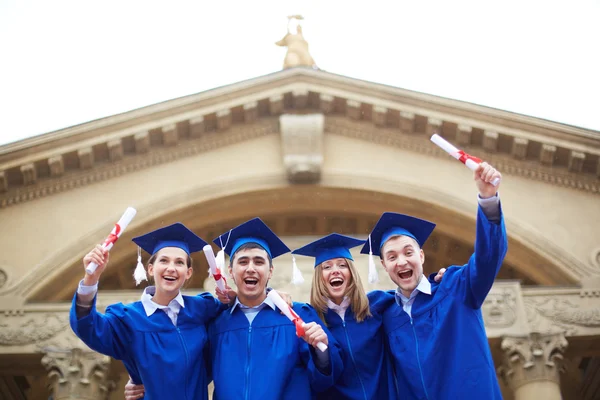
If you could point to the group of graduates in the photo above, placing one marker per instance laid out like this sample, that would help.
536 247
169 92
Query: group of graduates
424 340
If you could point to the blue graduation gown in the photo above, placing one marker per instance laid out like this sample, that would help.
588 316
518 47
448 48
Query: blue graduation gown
442 352
368 372
266 360
168 359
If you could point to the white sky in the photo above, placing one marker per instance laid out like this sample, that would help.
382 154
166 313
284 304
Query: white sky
67 62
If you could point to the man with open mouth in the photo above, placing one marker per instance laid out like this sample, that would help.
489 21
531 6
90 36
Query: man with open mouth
436 332
254 349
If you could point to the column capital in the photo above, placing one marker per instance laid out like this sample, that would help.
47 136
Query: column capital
78 374
537 357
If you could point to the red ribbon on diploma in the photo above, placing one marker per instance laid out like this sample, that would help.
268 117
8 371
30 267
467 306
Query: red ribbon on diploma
463 157
298 322
112 237
218 276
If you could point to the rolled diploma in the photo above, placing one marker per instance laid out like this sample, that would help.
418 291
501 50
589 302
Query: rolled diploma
291 314
453 151
212 264
122 224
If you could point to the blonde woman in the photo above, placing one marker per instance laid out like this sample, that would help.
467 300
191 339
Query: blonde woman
353 317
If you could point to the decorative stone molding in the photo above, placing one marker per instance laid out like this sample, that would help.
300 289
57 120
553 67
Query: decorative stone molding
57 166
3 182
131 164
276 104
25 328
300 97
547 154
223 119
500 308
407 121
86 158
379 115
170 135
490 141
538 149
506 164
302 142
434 125
29 173
353 109
142 142
75 374
519 148
533 358
576 160
326 103
463 135
115 150
197 127
250 111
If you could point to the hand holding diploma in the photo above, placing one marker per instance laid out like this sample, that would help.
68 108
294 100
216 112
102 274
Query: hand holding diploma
312 332
113 236
471 162
99 257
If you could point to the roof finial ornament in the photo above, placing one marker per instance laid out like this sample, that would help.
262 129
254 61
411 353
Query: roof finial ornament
297 47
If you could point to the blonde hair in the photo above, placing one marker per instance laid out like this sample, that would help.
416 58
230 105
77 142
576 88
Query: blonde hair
355 292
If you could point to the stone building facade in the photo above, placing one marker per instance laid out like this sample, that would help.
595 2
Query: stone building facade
311 153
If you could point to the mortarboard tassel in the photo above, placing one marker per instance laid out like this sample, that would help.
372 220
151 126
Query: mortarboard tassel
373 276
297 278
140 272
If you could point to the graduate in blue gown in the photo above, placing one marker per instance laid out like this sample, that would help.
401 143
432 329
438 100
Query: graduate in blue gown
162 338
436 331
254 349
354 318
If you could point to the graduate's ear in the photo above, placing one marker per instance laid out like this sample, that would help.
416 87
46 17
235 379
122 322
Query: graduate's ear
270 272
422 255
150 269
189 272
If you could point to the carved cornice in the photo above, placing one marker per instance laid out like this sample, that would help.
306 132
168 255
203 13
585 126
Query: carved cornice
524 146
421 144
137 162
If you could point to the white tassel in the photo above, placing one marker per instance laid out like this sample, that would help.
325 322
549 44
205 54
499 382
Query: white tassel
140 272
297 278
373 275
220 258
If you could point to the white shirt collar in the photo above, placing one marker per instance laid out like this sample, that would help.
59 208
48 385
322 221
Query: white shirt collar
266 301
150 306
342 307
424 286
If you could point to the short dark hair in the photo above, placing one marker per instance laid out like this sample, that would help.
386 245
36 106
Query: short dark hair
248 246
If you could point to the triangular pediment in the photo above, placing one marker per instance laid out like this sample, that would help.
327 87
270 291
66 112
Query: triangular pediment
108 147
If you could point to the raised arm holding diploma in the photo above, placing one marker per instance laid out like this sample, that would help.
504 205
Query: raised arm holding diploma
114 235
471 162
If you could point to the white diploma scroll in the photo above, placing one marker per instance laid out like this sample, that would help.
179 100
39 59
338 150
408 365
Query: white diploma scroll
212 265
291 314
114 235
471 162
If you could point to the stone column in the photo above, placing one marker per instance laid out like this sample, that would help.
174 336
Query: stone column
78 374
532 365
